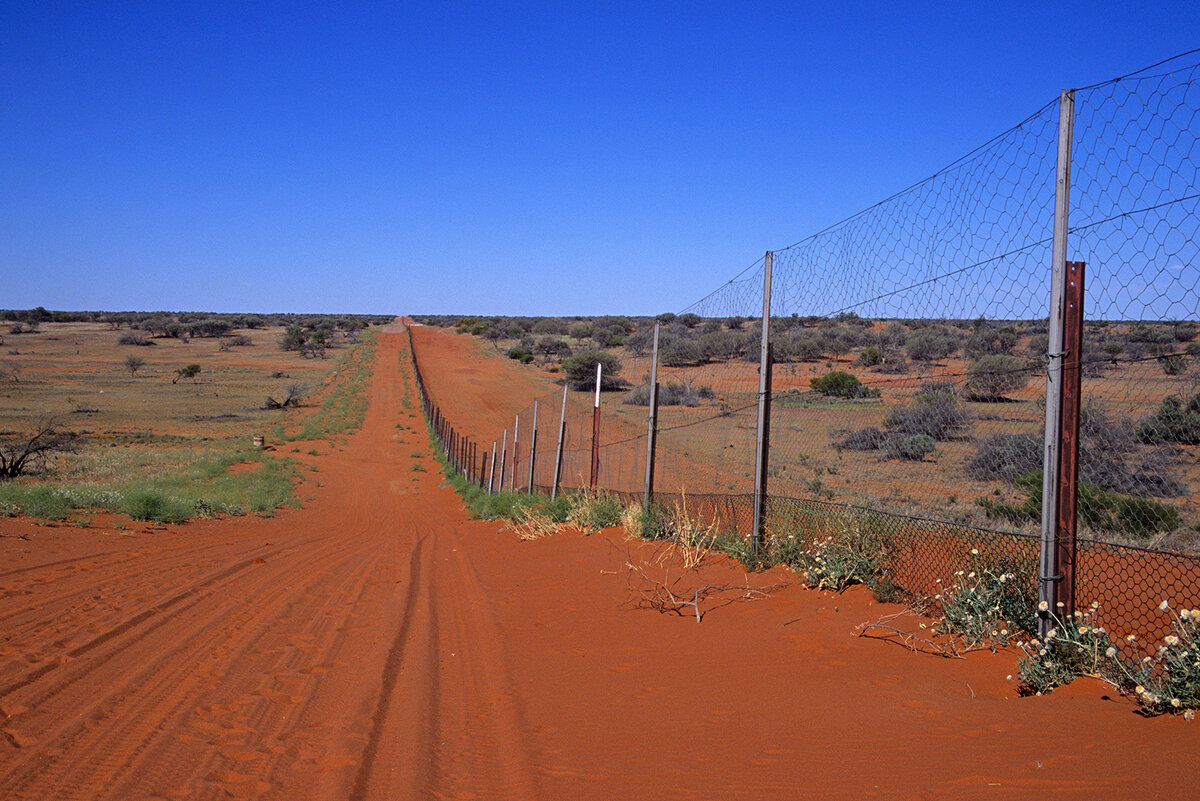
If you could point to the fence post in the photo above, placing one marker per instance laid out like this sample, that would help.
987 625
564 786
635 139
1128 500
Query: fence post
532 447
596 429
503 457
652 424
558 453
1049 574
512 478
492 470
762 440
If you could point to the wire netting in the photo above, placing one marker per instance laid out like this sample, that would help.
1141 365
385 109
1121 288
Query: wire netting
910 347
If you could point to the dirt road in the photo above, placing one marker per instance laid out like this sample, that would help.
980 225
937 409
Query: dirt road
379 645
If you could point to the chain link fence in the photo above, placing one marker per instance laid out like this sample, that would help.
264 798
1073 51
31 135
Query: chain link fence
909 349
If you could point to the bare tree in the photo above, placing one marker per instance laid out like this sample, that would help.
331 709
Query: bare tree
16 454
133 363
293 394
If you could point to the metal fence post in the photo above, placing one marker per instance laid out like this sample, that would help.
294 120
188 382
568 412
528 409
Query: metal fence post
492 470
596 429
503 457
762 441
1049 576
512 477
652 424
532 447
558 453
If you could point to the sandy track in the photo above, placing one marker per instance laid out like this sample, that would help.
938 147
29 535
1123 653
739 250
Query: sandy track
379 645
309 656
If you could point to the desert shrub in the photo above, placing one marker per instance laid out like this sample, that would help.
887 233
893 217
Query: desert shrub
1172 363
133 363
1039 344
293 339
996 375
241 341
552 346
856 553
982 606
1174 421
581 370
893 335
1169 681
864 439
133 338
1006 456
722 345
990 341
1071 649
19 452
188 371
839 384
928 345
913 447
521 355
681 353
935 411
1099 509
870 356
670 394
153 505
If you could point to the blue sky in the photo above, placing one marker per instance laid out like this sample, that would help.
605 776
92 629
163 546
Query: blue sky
507 158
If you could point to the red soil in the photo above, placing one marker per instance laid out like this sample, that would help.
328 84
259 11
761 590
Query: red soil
377 644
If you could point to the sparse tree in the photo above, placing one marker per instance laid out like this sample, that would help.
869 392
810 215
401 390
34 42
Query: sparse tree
17 453
189 371
133 363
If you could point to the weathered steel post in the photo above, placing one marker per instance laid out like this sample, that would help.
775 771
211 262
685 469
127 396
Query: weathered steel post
1050 575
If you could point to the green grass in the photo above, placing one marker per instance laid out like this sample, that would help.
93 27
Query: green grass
345 407
201 487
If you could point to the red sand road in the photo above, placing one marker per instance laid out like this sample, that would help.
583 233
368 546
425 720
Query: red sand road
378 645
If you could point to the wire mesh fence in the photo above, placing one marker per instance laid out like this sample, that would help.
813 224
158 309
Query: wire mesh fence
909 349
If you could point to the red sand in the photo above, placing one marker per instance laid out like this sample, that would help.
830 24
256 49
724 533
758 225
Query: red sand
378 645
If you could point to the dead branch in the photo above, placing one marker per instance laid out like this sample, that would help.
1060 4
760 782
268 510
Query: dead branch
881 629
652 585
17 454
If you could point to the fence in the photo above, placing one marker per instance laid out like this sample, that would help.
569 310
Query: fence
915 355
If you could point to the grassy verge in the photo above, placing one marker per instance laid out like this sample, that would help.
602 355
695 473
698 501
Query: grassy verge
197 487
343 409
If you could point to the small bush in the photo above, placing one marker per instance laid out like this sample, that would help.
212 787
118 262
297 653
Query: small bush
670 394
855 554
1006 456
994 376
681 353
935 411
521 355
864 439
153 505
581 370
870 356
930 345
132 338
839 384
914 447
1174 421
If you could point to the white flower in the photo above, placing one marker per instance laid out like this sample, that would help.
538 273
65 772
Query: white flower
1008 677
974 551
1043 606
1163 605
1175 703
1111 652
1171 639
1083 629
1140 690
1130 638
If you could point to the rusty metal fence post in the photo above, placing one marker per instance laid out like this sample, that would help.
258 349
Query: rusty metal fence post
596 429
558 453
